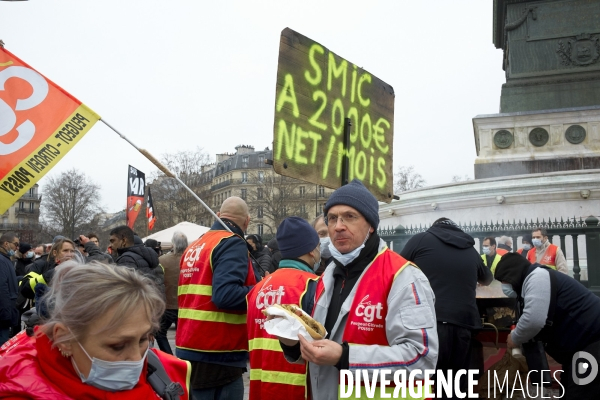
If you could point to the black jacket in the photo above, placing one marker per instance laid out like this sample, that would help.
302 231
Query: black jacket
262 256
275 254
144 260
447 257
9 316
22 266
95 254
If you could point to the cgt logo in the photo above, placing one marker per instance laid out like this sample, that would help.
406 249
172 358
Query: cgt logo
192 255
8 120
368 311
269 296
584 368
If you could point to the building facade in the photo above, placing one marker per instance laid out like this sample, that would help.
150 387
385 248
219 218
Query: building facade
23 216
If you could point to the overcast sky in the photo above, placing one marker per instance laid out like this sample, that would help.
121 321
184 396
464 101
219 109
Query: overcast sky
173 75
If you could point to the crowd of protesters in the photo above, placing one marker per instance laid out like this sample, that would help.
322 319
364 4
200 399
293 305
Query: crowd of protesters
90 316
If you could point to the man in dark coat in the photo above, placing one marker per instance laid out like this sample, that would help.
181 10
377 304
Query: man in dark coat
9 316
136 256
447 257
261 256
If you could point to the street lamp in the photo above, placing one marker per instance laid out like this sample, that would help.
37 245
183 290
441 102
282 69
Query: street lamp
73 191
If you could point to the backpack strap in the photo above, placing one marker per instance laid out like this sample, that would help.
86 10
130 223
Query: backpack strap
160 381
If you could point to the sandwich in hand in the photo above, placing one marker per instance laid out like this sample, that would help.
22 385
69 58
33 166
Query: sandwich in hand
314 328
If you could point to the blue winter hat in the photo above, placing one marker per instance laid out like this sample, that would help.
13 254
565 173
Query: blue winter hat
296 237
357 196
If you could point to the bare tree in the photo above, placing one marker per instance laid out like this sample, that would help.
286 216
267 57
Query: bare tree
71 203
458 178
172 202
407 179
272 197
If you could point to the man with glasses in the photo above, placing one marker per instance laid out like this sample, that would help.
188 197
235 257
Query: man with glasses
377 308
9 316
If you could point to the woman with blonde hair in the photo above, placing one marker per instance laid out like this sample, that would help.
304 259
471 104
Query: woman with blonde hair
95 343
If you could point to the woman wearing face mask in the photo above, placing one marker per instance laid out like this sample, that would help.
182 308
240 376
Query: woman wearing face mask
575 317
95 344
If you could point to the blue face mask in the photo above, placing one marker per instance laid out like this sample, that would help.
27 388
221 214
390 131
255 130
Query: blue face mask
486 250
347 258
508 291
29 254
325 253
526 247
11 253
537 242
112 375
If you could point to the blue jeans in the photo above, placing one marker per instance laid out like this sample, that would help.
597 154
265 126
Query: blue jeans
5 335
231 391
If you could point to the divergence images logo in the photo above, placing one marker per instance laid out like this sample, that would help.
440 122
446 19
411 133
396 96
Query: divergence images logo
582 364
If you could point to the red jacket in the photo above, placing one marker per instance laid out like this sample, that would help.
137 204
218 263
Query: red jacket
31 369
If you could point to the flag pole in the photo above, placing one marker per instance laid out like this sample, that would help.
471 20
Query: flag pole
166 171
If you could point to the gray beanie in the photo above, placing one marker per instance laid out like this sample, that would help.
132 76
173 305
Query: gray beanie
357 196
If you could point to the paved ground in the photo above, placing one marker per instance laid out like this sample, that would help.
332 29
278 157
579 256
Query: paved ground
171 337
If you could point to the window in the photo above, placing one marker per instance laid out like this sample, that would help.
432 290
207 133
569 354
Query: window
302 191
284 210
31 207
260 229
21 205
244 177
245 162
259 212
261 176
244 192
303 208
321 191
229 194
259 193
261 161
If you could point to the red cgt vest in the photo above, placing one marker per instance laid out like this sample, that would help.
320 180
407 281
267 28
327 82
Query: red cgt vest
224 330
271 375
549 258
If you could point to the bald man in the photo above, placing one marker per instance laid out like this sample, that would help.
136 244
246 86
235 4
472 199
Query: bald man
215 276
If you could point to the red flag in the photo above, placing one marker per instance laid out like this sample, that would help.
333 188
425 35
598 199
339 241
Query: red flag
150 212
136 186
39 124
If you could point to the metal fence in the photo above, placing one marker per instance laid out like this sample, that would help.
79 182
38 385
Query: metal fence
396 238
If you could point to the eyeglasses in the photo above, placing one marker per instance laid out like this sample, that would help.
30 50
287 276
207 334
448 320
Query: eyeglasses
345 218
17 244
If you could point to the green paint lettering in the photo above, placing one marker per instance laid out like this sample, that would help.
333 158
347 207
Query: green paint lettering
288 95
285 138
328 156
371 169
353 115
315 147
338 108
353 88
334 71
319 95
315 48
378 135
380 168
360 166
364 102
300 146
351 153
366 127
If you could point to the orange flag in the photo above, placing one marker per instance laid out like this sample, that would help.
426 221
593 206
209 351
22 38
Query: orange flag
39 124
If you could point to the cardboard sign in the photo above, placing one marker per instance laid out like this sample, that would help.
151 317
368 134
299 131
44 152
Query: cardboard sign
316 91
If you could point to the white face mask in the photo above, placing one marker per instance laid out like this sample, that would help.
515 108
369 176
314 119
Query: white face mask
112 375
537 242
526 247
486 250
347 258
325 253
317 263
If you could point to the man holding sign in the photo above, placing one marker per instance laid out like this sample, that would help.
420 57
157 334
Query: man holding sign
378 307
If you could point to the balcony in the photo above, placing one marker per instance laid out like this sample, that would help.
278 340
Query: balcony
31 197
221 185
27 212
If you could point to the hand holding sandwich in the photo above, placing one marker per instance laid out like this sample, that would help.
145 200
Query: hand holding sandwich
320 352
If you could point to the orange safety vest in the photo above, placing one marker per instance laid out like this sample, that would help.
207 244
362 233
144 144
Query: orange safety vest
271 375
549 258
201 325
501 251
178 370
366 319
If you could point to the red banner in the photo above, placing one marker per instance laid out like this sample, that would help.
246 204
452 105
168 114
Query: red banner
150 214
136 187
39 124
